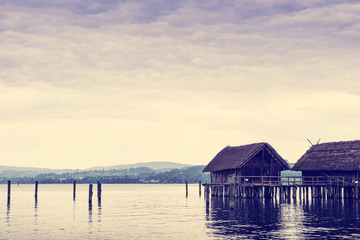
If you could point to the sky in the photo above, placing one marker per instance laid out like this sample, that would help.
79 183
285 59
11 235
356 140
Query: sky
107 82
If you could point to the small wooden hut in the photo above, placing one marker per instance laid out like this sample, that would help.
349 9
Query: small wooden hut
331 159
258 159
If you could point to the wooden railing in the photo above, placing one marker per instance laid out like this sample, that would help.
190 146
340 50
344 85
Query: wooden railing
294 181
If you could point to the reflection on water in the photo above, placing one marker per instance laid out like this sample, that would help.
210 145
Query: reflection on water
99 213
163 212
36 203
8 214
334 218
250 218
293 219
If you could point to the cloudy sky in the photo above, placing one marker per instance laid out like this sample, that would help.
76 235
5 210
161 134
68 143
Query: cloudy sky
105 82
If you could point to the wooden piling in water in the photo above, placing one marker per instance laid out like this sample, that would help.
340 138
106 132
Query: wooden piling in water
99 191
90 193
266 192
74 190
330 192
294 188
275 192
338 192
284 192
36 189
187 191
348 192
303 189
287 192
260 191
9 191
207 193
200 188
232 196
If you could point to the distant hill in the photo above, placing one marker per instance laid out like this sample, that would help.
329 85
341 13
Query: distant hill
12 171
152 165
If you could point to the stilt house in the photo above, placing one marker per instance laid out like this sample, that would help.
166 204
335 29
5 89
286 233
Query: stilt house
331 159
258 159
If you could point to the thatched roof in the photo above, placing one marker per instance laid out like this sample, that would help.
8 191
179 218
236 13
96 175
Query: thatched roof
333 156
236 157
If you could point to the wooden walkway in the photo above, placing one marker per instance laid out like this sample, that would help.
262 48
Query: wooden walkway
285 187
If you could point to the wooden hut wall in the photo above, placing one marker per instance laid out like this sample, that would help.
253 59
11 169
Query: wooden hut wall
223 176
262 164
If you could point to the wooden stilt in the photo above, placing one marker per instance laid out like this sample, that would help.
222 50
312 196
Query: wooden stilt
99 191
74 190
200 188
8 191
294 188
36 189
90 193
207 195
231 196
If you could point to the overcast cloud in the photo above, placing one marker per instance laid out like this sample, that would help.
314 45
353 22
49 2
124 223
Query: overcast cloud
85 83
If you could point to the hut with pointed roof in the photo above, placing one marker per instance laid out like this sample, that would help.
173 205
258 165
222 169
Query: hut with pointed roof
258 159
331 159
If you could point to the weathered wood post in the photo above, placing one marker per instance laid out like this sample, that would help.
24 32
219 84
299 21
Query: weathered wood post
226 190
294 188
200 188
36 189
344 191
207 193
9 191
90 194
99 191
261 192
330 192
337 192
187 190
74 190
241 191
266 192
275 190
232 196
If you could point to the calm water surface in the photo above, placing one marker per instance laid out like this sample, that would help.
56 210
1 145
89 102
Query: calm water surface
163 212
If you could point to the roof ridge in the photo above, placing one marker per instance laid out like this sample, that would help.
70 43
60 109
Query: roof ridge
331 156
237 156
253 153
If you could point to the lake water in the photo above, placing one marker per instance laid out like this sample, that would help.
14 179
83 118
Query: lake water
163 212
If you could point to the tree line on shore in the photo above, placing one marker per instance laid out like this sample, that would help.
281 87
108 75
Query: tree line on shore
132 175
